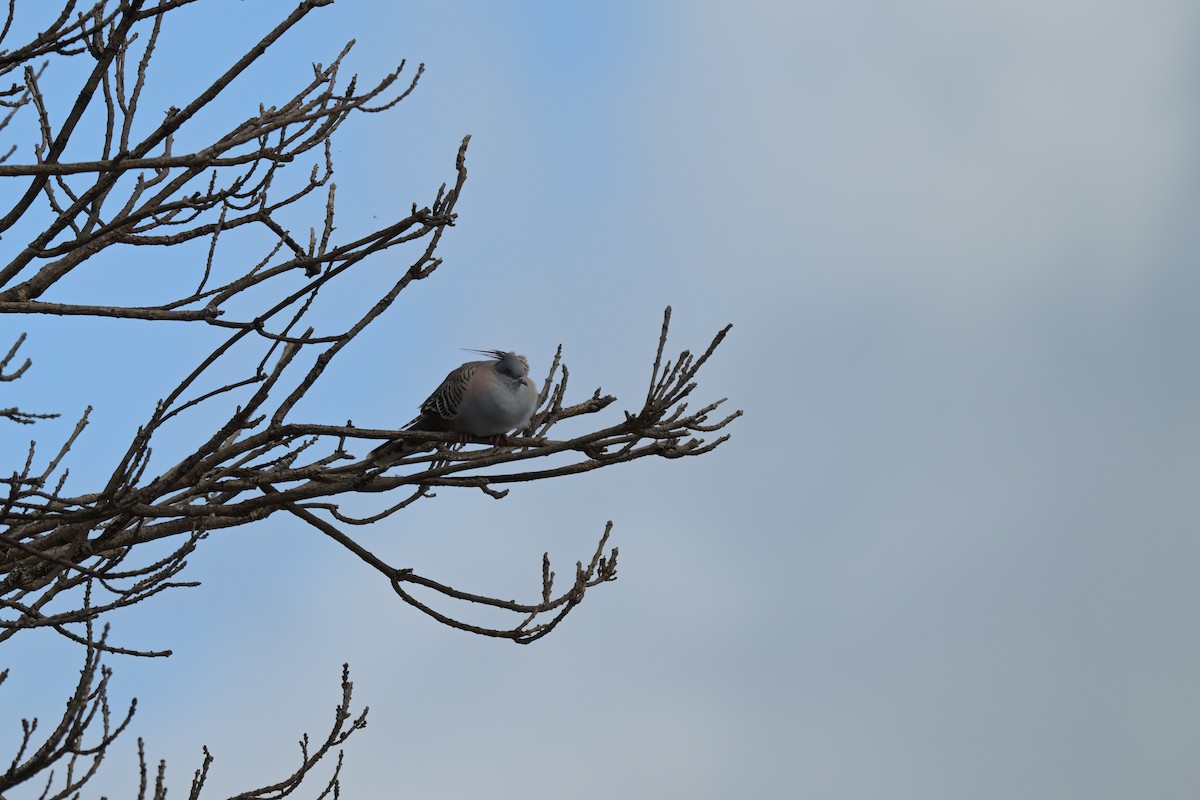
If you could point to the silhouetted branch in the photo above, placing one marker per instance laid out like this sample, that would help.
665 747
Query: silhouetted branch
86 710
250 280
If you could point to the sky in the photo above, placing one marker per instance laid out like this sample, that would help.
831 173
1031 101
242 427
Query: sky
951 548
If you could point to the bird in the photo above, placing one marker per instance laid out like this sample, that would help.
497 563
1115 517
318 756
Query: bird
479 398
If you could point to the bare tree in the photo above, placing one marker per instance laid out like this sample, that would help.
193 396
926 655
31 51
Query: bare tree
69 560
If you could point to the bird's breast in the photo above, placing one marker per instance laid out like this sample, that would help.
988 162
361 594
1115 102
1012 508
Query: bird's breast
496 412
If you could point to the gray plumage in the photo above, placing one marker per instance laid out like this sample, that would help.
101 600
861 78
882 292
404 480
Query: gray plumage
479 398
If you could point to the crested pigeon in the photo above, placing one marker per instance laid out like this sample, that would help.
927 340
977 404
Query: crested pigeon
479 398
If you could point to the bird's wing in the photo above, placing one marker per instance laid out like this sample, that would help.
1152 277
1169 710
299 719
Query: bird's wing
448 397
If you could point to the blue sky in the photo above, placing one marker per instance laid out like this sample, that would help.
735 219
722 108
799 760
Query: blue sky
951 550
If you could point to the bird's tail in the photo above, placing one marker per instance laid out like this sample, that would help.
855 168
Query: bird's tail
389 453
